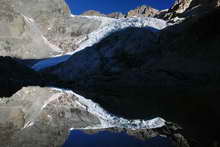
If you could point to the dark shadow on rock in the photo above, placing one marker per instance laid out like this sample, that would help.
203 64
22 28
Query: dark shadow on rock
14 75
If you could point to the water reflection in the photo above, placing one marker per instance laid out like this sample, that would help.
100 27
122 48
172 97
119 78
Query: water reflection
78 138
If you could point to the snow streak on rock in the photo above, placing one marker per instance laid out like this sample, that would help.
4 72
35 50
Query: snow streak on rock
38 34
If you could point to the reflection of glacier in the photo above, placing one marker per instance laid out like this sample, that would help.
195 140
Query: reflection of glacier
108 26
60 100
108 120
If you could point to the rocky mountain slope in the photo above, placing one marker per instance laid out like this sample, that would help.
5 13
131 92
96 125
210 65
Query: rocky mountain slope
20 35
188 8
141 11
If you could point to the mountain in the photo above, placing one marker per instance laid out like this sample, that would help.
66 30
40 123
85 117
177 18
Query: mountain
116 15
92 13
188 8
169 72
141 11
131 73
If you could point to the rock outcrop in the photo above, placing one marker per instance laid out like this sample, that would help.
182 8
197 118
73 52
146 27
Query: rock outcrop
143 11
181 6
71 32
23 24
92 13
116 15
188 8
42 30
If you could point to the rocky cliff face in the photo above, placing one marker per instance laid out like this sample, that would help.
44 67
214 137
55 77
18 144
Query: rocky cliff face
181 6
143 11
116 15
23 24
92 13
188 8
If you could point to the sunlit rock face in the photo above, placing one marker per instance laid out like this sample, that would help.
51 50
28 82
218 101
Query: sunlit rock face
40 29
23 24
116 15
92 13
182 5
187 8
143 11
69 33
43 12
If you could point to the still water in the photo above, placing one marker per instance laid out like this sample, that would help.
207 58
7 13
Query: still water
78 138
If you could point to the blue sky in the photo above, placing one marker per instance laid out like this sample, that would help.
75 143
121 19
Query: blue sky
108 6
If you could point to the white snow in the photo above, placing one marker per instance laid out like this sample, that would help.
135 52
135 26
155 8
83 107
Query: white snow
108 26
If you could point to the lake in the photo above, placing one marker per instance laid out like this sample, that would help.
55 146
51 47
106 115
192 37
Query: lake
79 138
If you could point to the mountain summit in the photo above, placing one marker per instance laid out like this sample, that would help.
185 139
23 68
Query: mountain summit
142 11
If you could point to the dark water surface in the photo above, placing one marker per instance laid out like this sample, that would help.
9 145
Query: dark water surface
78 138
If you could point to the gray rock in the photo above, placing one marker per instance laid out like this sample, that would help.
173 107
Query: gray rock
92 13
23 23
116 15
70 32
188 8
35 30
143 11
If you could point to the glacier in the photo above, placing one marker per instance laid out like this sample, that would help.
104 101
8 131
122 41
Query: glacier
108 26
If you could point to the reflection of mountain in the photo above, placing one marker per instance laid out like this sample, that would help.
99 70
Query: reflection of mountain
136 67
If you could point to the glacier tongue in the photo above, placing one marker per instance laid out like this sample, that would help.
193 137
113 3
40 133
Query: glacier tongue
108 26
